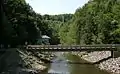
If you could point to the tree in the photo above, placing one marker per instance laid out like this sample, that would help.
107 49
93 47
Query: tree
97 22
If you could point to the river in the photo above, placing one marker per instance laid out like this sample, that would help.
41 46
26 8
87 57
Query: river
71 64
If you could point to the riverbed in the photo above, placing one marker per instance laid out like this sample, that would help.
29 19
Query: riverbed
67 63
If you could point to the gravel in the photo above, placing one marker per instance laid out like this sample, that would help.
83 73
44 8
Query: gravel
112 65
96 56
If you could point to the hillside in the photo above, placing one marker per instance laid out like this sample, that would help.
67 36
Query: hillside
97 22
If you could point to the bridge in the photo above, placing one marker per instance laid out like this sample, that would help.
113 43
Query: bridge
105 47
61 48
67 48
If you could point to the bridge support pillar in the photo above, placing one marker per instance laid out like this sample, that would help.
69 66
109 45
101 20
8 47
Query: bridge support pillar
112 54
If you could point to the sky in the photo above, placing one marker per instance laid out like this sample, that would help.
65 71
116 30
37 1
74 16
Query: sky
53 7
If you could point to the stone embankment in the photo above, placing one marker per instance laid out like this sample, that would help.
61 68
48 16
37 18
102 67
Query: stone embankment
111 65
94 57
16 61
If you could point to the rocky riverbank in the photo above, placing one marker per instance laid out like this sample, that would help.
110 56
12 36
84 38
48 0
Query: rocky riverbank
96 56
16 61
111 65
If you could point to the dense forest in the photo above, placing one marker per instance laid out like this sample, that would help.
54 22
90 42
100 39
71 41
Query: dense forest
54 23
97 22
20 24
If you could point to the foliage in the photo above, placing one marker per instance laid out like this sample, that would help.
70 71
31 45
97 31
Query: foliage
54 23
97 22
20 23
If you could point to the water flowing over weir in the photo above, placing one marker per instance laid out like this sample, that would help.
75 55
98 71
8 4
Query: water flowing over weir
66 63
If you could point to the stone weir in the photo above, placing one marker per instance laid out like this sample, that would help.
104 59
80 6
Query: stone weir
16 61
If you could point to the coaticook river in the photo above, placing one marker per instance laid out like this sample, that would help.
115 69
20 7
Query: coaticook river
66 63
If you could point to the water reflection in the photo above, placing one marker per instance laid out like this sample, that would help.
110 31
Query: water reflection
60 65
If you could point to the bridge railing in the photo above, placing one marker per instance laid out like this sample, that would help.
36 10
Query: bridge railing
97 47
102 46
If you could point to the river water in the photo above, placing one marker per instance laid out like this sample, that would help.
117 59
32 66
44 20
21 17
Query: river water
71 64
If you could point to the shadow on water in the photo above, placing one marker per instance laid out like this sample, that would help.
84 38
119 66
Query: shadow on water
71 64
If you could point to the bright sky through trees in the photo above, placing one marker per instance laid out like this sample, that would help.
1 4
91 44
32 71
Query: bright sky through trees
56 6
